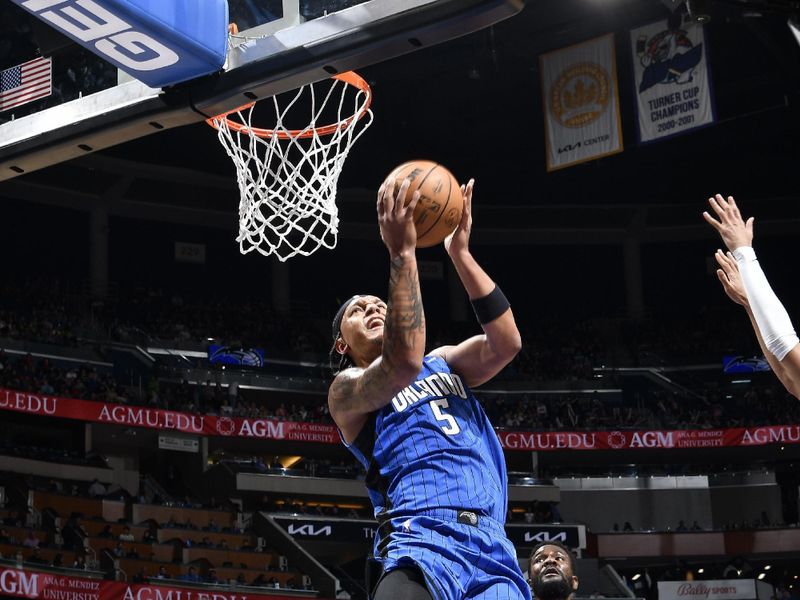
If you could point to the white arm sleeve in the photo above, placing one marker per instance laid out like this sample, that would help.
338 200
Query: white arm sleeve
772 319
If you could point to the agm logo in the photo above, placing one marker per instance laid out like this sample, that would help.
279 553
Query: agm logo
546 536
309 530
19 583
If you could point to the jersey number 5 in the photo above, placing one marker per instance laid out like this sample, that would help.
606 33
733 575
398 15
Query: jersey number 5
451 427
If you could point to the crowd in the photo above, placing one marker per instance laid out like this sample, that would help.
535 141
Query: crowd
763 403
41 376
760 402
555 347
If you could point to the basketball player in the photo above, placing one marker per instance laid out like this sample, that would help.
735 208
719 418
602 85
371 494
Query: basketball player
551 568
436 474
745 283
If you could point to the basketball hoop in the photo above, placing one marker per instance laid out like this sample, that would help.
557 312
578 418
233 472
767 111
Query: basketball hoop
287 177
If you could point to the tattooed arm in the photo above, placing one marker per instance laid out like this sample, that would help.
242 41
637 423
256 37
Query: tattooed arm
357 392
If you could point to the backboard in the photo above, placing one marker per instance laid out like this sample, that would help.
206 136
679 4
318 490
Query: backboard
280 45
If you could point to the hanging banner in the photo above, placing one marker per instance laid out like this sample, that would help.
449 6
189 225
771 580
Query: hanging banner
127 415
673 89
649 438
581 102
28 583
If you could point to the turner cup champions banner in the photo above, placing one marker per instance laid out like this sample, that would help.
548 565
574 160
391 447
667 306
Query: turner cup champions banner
581 102
670 68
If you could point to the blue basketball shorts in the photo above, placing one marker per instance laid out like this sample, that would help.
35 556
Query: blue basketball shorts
460 558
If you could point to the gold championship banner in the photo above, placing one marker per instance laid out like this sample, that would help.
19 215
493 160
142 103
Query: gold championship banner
581 102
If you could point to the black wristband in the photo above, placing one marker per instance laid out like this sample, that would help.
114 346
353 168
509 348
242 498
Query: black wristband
491 306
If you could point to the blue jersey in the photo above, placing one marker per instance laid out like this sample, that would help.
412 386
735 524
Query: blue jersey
432 447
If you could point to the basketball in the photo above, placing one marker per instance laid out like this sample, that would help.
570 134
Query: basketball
438 211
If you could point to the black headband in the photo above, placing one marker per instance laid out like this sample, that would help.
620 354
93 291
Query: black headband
337 320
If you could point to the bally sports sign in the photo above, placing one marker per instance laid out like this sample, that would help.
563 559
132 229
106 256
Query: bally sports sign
158 43
715 589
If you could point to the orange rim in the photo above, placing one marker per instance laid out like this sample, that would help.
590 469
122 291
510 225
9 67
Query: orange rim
349 77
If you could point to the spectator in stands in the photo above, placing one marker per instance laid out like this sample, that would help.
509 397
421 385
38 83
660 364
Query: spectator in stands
306 582
73 533
79 562
240 579
140 576
119 550
58 560
133 552
696 526
5 537
529 515
36 558
675 572
13 519
162 573
191 575
212 576
681 526
551 572
149 536
126 535
627 526
97 489
106 532
31 541
212 525
223 545
555 514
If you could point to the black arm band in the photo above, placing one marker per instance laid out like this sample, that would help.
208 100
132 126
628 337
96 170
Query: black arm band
488 308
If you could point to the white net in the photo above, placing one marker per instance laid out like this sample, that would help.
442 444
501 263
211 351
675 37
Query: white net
288 177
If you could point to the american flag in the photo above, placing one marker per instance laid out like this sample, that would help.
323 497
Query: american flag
26 82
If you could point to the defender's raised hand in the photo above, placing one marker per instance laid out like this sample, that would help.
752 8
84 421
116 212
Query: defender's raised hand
731 227
729 277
